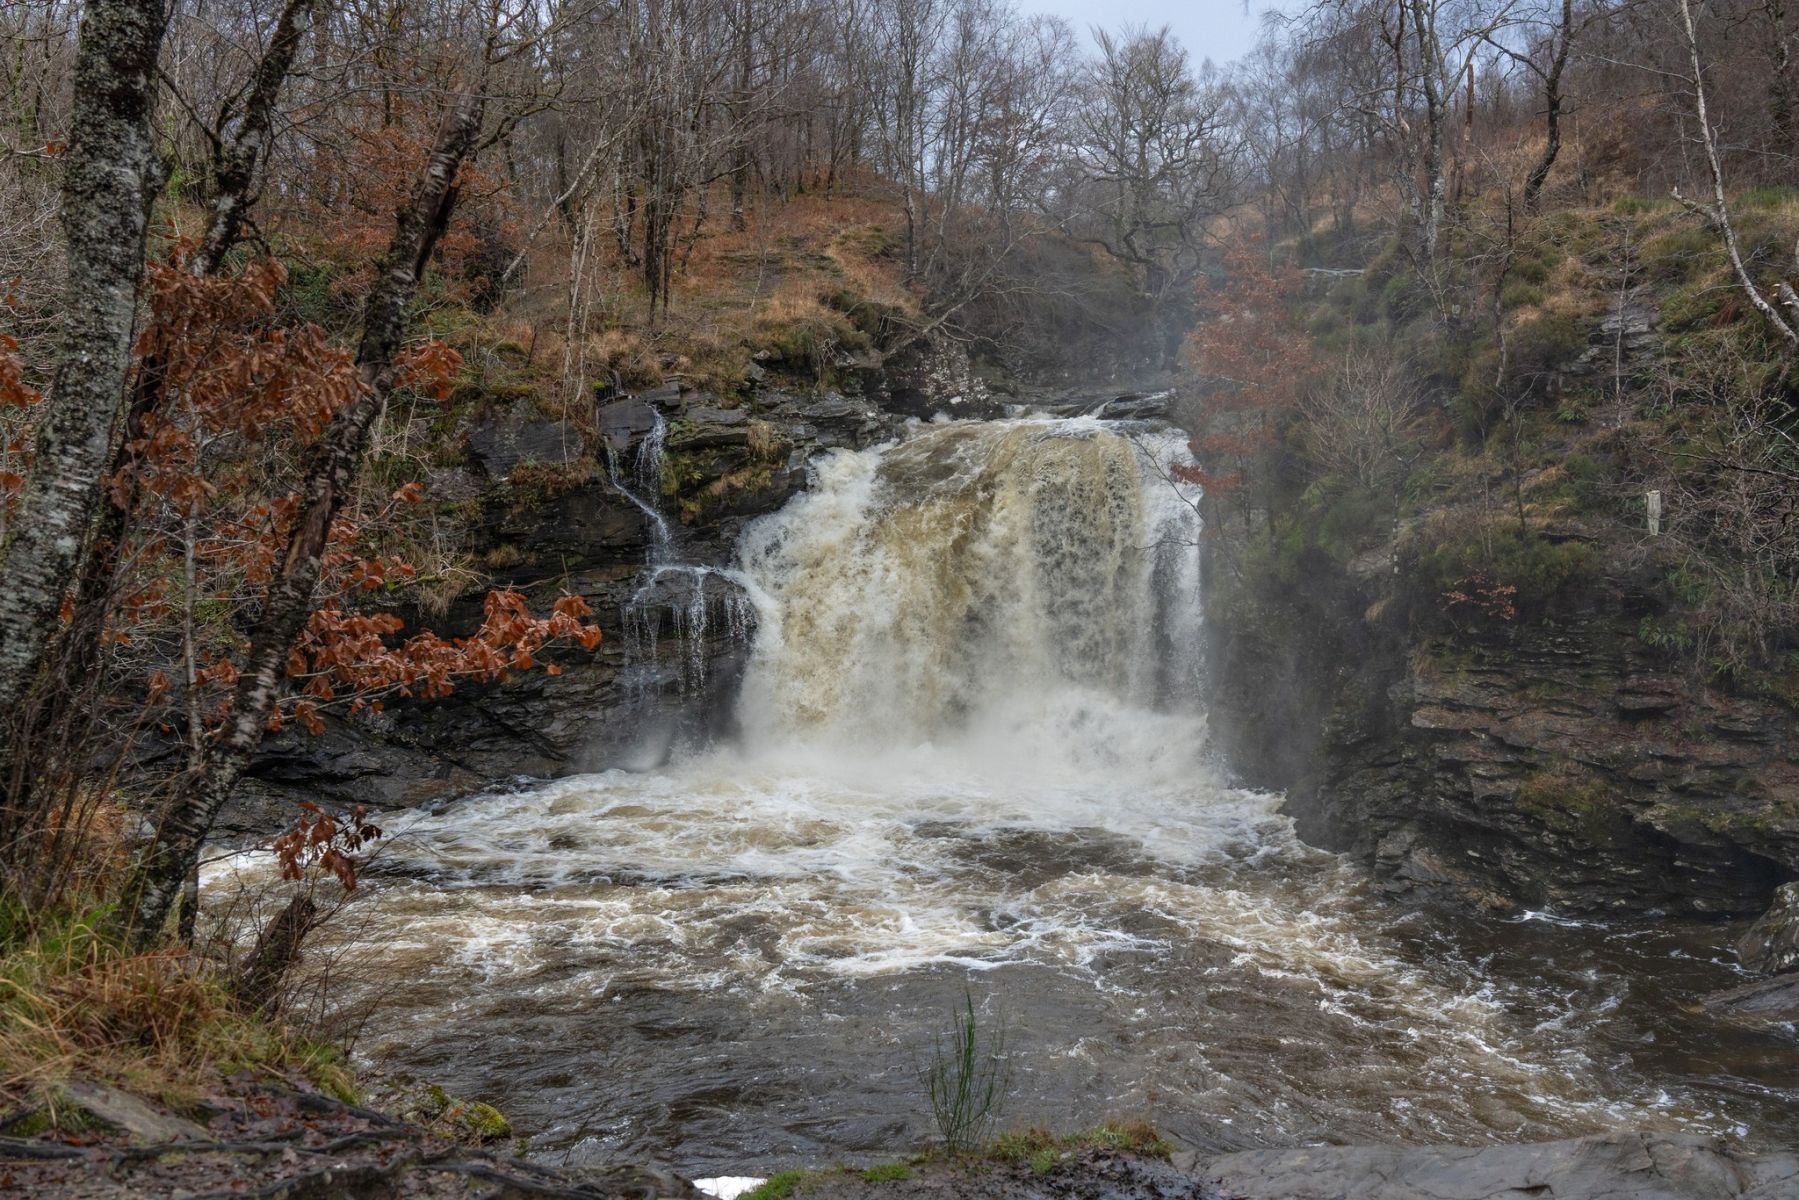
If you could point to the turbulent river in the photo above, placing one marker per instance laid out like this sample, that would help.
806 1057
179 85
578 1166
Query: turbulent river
969 757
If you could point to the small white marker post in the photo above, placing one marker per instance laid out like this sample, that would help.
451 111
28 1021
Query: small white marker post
1655 512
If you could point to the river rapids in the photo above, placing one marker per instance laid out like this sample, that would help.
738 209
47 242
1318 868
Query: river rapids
970 757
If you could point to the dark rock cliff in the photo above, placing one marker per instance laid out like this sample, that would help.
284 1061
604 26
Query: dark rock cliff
1557 762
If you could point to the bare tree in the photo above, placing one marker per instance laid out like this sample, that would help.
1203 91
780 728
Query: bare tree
1717 210
1783 89
1154 164
1364 424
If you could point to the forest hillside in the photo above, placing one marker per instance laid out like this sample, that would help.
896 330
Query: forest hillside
396 399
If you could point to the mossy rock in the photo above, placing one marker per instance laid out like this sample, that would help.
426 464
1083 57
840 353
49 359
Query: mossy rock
487 1122
1569 798
725 491
533 486
451 1116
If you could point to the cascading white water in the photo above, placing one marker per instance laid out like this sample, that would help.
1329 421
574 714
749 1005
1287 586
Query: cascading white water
695 601
700 604
1027 590
971 750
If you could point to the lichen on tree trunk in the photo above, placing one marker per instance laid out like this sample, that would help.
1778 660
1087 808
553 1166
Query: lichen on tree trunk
110 178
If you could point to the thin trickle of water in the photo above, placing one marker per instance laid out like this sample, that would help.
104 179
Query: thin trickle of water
644 489
702 606
706 608
648 468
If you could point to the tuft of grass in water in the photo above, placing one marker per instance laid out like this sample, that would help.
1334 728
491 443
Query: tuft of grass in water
967 1079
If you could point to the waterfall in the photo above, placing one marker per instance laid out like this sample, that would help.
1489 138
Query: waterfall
972 744
645 487
696 605
700 605
1029 587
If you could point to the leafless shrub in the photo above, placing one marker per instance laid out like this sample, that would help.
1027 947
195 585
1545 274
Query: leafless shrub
1362 423
1732 510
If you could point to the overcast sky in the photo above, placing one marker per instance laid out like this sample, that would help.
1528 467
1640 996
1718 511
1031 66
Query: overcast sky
1216 29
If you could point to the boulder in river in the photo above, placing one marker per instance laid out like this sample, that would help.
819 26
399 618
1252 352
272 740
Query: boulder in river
1773 1000
1772 944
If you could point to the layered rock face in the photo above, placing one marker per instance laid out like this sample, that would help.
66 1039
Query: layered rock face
1557 765
1562 773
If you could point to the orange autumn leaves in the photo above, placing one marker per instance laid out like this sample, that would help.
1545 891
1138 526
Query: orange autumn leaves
330 843
15 399
343 653
1253 364
210 486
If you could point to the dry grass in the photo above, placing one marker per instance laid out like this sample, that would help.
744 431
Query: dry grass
626 356
164 1024
776 286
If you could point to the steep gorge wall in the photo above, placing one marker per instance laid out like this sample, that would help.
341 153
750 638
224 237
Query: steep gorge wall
1556 759
1559 766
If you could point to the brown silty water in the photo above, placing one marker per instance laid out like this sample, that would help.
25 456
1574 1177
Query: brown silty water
970 759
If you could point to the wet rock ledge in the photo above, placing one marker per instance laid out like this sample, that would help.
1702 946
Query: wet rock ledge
1622 1166
289 1146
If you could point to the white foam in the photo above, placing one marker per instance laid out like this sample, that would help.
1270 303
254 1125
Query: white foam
961 752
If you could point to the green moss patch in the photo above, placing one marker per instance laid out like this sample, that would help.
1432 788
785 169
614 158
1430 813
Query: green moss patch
1043 1150
779 1186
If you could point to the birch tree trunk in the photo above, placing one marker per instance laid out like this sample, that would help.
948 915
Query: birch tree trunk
1552 104
244 140
1430 83
112 176
244 133
1718 211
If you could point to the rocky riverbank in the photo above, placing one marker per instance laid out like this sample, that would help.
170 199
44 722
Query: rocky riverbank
1554 764
285 1146
1627 1166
